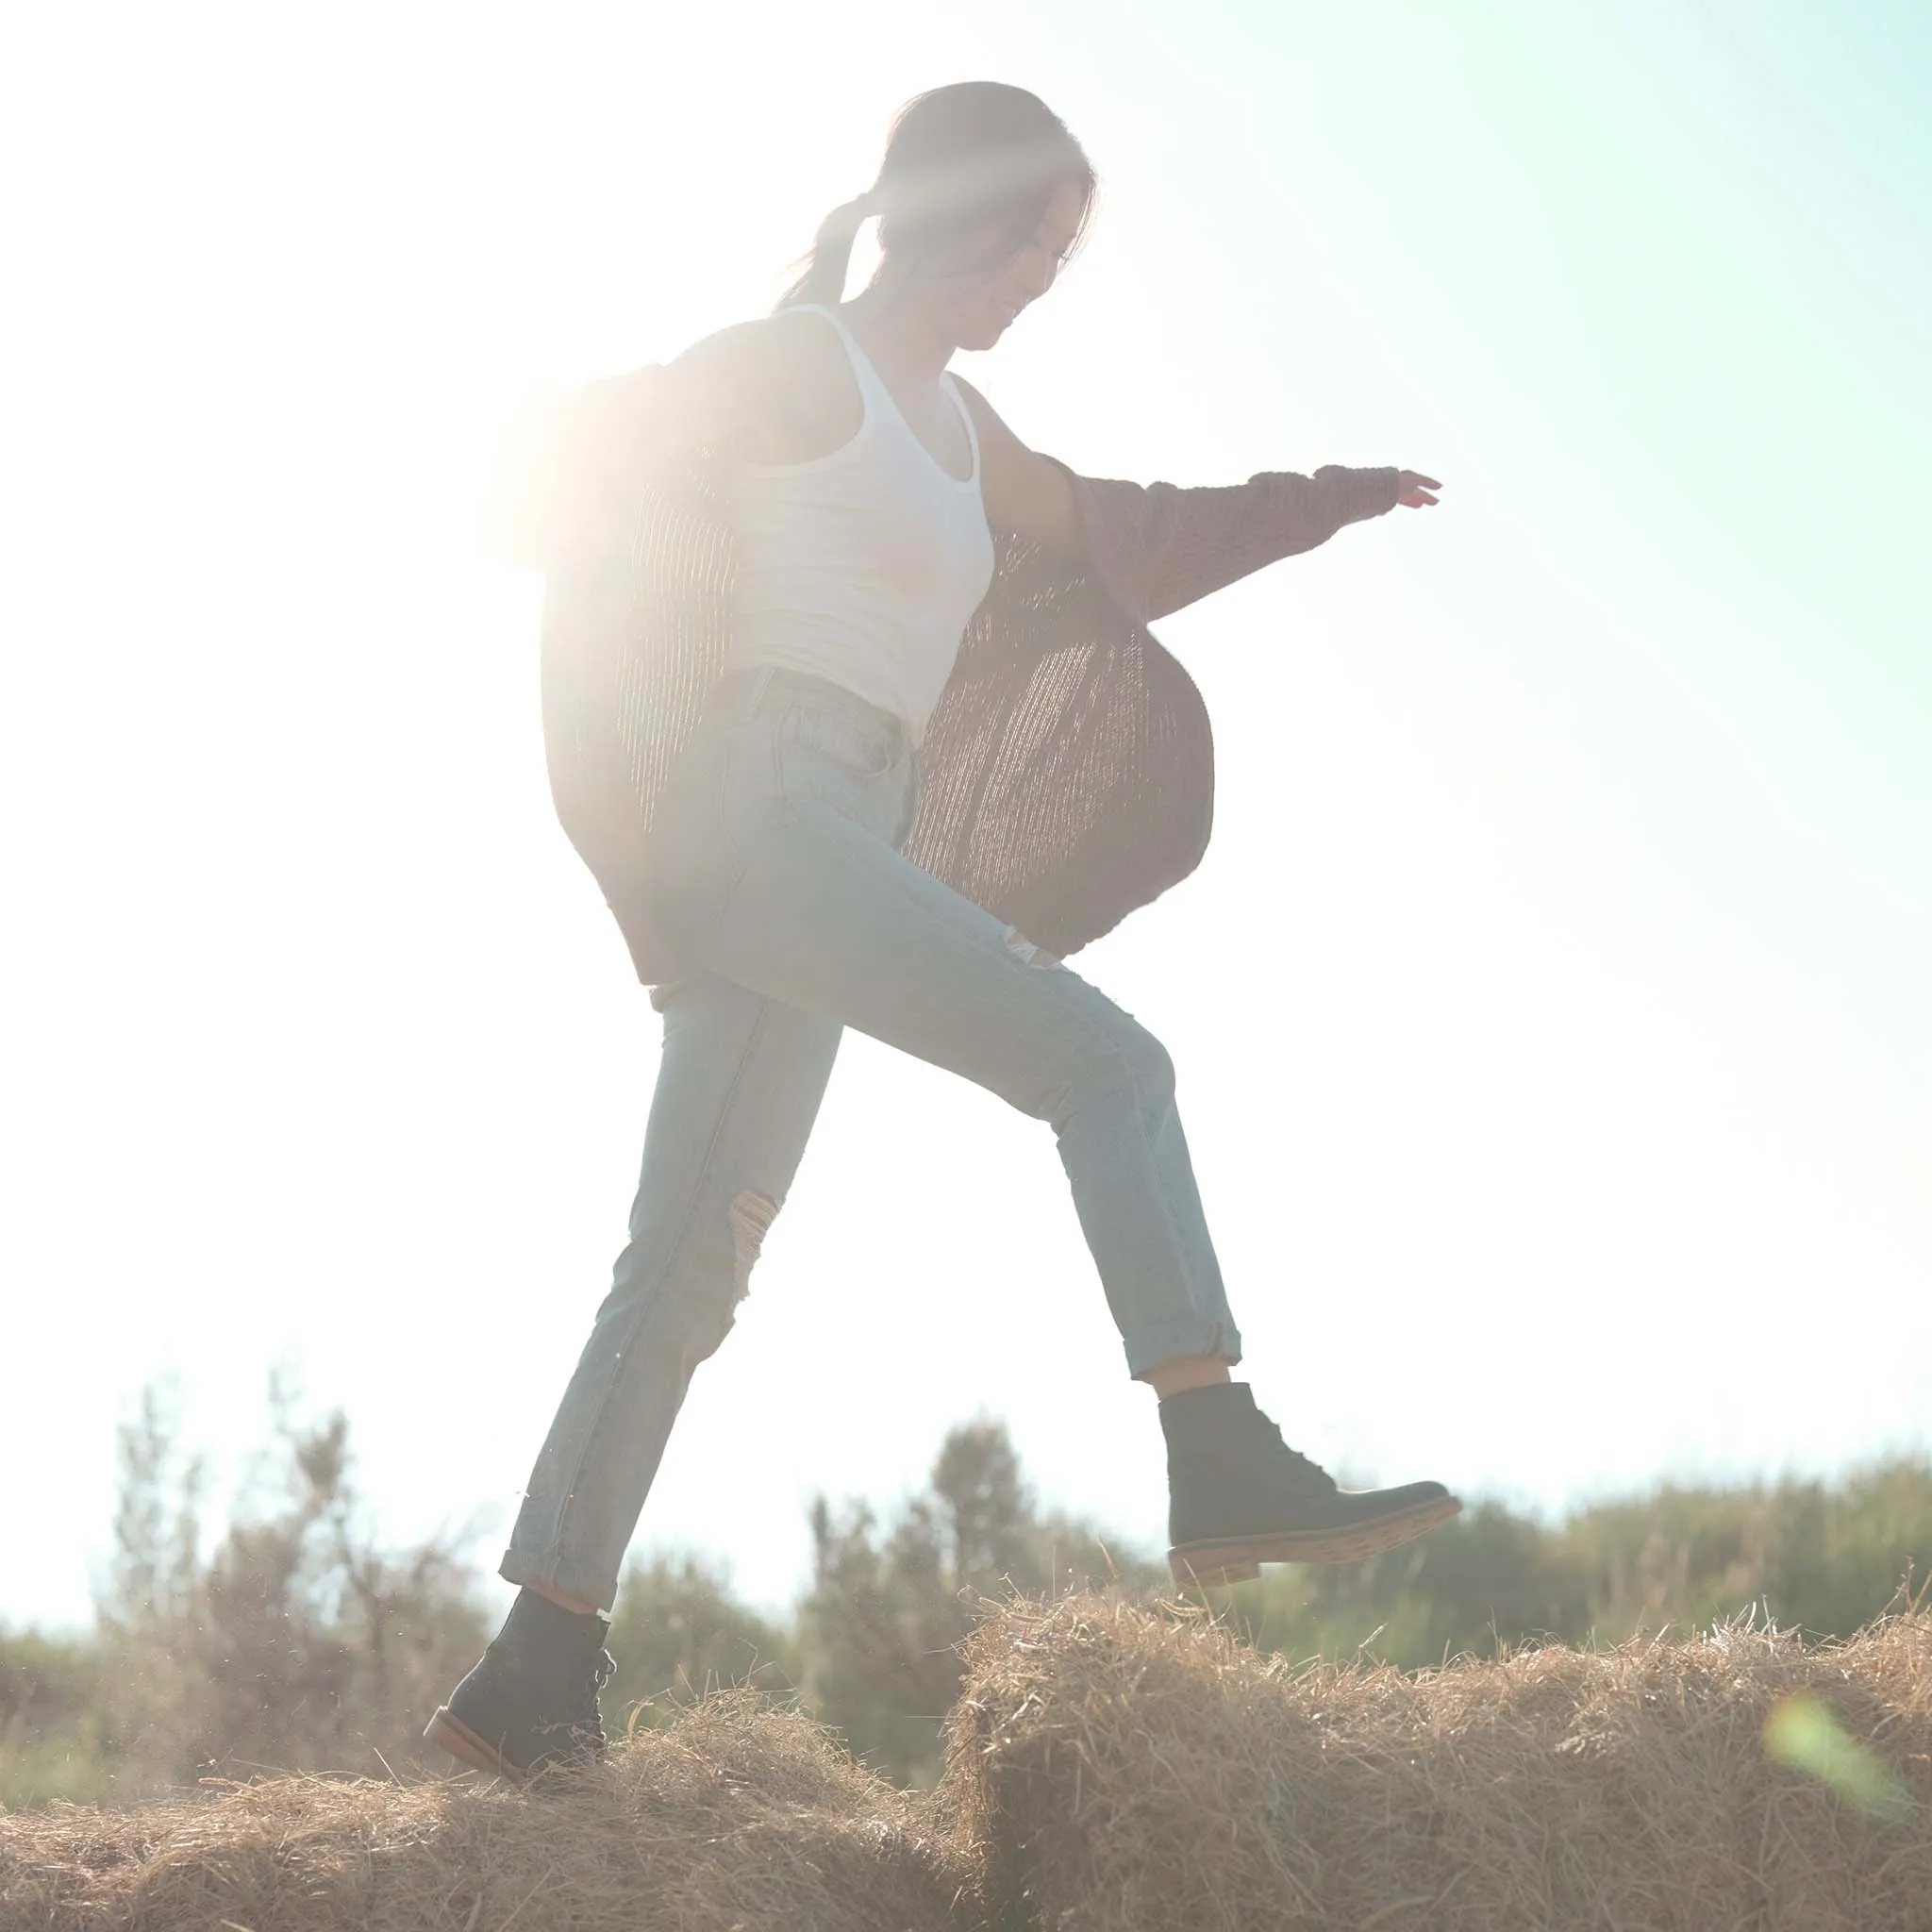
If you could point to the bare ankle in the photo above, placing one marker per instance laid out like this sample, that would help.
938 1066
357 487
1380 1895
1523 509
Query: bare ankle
1187 1371
557 1597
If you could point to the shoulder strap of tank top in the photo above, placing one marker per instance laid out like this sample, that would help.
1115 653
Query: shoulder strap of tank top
965 409
865 374
872 386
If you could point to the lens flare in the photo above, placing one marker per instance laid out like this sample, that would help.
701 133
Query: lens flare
1804 1732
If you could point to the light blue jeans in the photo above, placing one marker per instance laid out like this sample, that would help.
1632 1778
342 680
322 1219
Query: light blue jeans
778 871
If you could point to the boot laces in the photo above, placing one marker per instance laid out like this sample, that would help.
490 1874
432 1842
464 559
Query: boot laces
588 1722
602 1670
1309 1473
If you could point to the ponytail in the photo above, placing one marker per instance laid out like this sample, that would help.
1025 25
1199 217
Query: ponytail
827 266
957 158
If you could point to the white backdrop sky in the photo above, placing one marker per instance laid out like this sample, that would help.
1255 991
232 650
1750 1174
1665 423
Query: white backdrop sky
1551 1009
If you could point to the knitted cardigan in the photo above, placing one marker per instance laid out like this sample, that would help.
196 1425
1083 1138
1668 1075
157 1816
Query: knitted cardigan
1067 771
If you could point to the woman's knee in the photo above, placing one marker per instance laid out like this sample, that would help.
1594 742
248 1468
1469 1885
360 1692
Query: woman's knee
1120 1060
689 1302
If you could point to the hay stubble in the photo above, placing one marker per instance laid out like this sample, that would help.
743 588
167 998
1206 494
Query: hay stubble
1110 1768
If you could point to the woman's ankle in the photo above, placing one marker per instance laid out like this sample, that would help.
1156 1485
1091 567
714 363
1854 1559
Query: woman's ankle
557 1597
1187 1371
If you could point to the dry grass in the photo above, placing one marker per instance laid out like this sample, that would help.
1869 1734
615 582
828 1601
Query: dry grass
1112 1769
1109 1767
740 1817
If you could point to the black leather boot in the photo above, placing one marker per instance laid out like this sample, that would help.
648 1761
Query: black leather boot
531 1701
1239 1496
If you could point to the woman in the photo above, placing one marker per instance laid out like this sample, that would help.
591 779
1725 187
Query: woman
850 709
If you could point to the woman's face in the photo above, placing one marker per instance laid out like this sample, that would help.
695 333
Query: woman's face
984 303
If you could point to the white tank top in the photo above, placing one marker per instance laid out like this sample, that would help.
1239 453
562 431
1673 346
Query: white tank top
863 566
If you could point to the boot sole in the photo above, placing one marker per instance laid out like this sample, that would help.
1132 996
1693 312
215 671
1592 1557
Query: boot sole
448 1732
1216 1562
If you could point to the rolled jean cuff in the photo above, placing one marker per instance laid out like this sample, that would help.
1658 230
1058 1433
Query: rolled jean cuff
1148 1348
573 1579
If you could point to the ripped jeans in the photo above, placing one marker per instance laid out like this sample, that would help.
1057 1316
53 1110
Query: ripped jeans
777 867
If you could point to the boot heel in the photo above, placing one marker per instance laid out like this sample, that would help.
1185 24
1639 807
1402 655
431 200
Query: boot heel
448 1732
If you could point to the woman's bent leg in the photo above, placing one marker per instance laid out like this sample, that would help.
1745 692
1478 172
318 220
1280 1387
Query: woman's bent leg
738 1089
828 915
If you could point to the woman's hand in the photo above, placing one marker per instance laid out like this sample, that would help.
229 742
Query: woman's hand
1414 489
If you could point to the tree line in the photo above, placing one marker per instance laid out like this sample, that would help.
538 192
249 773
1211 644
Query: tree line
299 1641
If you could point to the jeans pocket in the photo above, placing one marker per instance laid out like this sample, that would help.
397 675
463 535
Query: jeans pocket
817 735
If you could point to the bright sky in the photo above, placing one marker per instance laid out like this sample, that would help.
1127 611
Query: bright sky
1551 1009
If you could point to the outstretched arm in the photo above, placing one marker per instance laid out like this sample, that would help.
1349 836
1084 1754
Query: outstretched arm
1157 547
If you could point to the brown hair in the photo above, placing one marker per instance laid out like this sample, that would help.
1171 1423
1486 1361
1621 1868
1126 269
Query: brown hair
955 158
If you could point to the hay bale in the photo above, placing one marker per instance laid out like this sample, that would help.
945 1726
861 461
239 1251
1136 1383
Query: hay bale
1116 1768
741 1818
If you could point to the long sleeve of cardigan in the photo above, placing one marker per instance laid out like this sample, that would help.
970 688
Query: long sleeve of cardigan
1157 547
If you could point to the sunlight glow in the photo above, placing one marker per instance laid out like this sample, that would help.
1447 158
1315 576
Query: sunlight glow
1554 990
